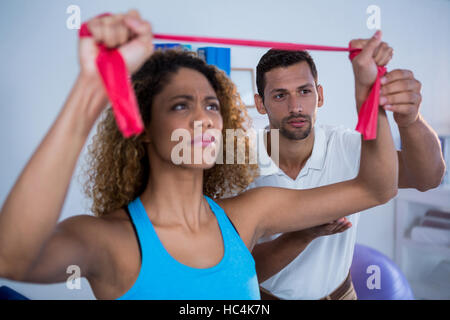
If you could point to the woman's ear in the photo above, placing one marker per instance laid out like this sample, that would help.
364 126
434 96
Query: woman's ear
146 136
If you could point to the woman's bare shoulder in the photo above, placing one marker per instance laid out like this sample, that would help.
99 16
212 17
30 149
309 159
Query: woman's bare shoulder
89 226
242 210
113 239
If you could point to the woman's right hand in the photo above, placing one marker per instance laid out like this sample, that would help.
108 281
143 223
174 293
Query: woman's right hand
128 32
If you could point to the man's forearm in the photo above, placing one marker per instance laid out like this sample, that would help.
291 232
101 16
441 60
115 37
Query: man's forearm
273 256
423 163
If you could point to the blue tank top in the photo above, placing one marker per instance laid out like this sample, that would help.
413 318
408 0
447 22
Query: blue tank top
161 277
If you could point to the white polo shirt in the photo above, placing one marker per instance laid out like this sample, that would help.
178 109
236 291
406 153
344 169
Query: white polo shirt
326 261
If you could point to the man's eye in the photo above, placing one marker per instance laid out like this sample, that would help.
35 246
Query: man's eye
279 96
306 91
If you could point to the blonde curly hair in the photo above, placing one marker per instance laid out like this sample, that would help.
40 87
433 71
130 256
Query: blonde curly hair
117 169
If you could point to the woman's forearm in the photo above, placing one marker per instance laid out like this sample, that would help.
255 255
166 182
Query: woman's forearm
33 205
379 163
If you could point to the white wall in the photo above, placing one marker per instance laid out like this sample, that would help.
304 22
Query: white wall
39 65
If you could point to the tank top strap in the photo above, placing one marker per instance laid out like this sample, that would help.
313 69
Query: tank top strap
147 237
231 233
222 218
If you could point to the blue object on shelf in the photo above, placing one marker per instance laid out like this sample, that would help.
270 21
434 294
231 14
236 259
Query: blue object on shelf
168 46
6 293
220 57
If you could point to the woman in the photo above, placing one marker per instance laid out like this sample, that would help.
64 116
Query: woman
174 242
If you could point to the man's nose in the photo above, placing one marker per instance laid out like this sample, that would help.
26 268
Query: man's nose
294 104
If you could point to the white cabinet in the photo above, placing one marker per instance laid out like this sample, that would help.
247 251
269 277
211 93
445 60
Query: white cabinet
425 265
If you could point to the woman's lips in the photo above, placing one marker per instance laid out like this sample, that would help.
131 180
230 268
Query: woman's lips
202 141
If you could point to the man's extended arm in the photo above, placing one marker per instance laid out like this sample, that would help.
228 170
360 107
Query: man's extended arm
289 245
421 163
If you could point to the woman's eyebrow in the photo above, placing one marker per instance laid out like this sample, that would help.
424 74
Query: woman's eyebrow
191 98
183 96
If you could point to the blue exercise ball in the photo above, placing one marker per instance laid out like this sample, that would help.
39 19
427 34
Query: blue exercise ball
376 277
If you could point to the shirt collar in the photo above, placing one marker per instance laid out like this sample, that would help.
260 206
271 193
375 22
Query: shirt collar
316 161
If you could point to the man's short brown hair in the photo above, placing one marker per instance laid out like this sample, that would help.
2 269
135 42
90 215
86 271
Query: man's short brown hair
280 58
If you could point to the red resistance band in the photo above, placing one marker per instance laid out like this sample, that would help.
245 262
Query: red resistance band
115 77
117 83
368 114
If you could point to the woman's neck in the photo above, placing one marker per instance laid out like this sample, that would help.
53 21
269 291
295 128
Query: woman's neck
174 196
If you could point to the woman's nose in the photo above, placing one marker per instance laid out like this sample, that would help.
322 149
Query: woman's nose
202 119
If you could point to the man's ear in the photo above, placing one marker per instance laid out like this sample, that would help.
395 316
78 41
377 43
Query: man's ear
320 99
259 104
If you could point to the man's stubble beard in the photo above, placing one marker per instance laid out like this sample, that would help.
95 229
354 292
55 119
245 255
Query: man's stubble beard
298 134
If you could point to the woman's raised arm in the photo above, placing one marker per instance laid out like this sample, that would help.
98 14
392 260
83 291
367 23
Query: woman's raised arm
29 215
269 210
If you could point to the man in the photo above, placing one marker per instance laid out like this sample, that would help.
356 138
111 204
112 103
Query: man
297 265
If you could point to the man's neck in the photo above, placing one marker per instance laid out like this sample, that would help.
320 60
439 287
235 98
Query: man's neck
293 154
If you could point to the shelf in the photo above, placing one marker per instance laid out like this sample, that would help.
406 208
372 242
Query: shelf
435 197
440 249
411 206
429 291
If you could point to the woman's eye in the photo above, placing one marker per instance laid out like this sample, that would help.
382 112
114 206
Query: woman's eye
179 107
213 106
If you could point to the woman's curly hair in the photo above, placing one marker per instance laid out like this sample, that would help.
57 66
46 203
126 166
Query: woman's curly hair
118 169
